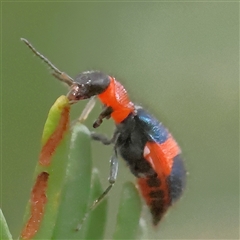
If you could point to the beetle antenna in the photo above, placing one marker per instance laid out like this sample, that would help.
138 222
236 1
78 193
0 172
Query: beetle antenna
56 72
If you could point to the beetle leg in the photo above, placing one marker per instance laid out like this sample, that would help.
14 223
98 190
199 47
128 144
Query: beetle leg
111 179
104 139
106 113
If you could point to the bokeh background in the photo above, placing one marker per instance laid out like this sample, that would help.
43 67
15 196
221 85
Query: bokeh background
179 60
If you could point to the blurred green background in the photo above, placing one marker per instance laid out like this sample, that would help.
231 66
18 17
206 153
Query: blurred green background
179 60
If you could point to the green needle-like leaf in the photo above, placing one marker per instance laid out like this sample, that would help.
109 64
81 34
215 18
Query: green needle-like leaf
129 212
4 231
56 178
43 207
96 222
54 117
76 190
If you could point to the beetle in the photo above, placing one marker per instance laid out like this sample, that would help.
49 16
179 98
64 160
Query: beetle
151 153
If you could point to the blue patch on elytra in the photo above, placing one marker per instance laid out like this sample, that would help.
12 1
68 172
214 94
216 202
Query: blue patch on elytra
154 129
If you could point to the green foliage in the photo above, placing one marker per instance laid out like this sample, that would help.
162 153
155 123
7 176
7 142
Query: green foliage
4 231
72 187
128 213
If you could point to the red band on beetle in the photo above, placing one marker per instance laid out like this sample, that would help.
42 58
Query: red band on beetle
160 155
116 97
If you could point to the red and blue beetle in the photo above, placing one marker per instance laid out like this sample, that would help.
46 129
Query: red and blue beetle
150 151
